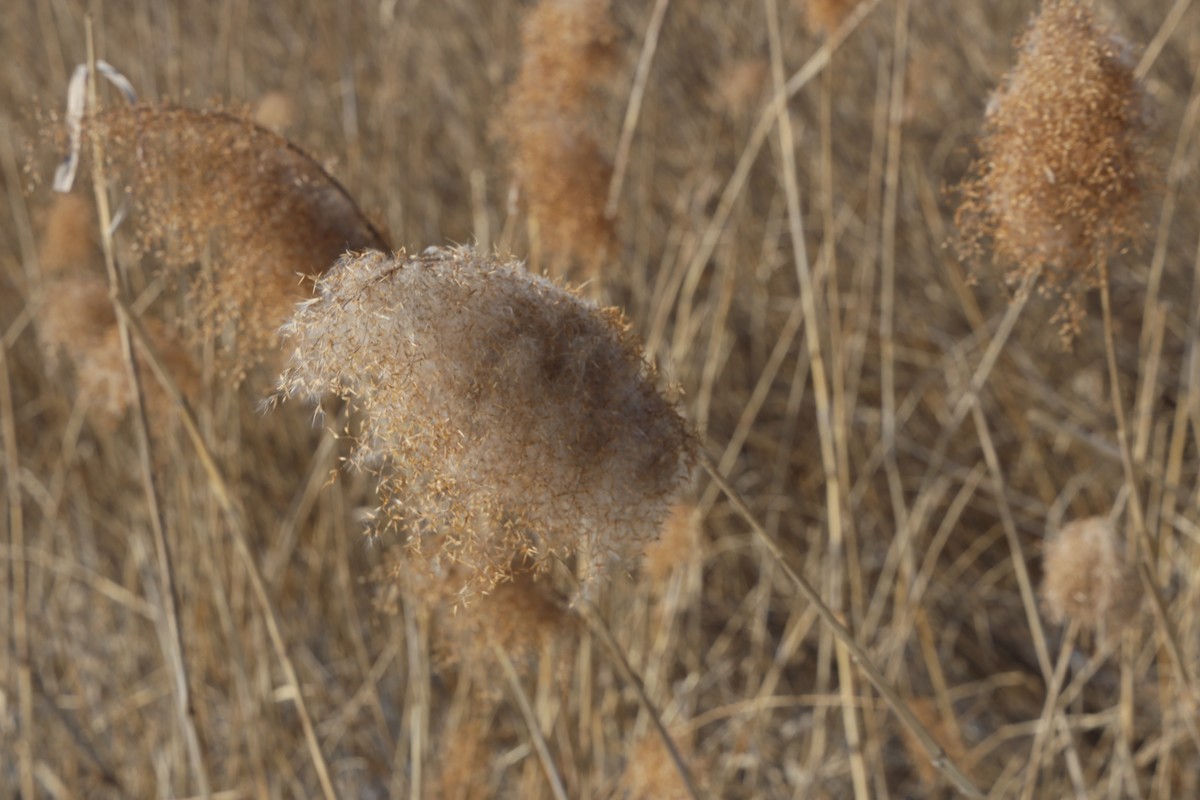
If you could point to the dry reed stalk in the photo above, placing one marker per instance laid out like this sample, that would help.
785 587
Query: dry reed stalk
633 108
1087 578
169 627
217 189
23 747
541 748
841 529
898 704
510 420
1062 176
235 516
684 782
563 176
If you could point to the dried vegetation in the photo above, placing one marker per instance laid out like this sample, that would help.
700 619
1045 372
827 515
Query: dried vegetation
513 432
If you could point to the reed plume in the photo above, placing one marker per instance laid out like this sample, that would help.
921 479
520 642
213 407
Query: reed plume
678 543
650 774
463 759
557 163
523 614
1062 174
510 420
77 320
215 189
824 16
1088 579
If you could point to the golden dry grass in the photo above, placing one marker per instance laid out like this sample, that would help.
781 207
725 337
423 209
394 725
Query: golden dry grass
953 463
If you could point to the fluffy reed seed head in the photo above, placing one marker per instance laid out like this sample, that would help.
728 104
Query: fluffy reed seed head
214 188
678 543
76 311
824 16
77 319
563 175
511 420
68 242
1060 181
103 379
523 614
461 772
568 47
650 774
1088 579
739 86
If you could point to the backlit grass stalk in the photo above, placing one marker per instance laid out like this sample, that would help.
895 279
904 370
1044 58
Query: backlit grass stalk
553 778
861 658
169 624
235 518
20 587
821 390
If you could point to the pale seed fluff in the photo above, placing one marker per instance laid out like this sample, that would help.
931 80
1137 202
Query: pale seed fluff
1088 579
509 420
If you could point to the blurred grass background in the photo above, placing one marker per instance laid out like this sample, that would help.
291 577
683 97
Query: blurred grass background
404 101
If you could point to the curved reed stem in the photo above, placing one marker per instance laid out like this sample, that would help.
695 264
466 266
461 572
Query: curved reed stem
169 631
237 527
600 628
535 734
937 755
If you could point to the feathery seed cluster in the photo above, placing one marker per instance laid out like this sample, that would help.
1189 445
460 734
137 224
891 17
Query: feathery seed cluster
216 189
77 320
564 177
510 420
1088 579
1061 177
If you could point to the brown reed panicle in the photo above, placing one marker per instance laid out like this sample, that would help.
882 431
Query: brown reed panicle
75 311
650 774
101 376
523 614
77 318
824 16
739 86
461 772
509 419
260 214
1062 173
1088 579
678 544
558 165
947 737
68 240
568 47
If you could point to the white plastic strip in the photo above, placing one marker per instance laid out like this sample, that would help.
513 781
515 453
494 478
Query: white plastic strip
64 176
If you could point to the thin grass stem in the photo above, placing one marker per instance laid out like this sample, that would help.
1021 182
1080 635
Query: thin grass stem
899 706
